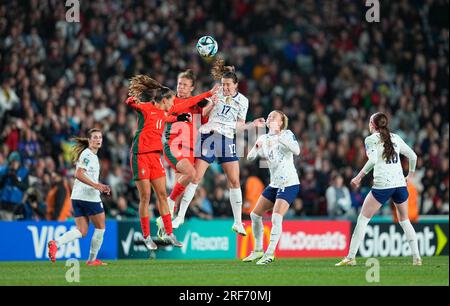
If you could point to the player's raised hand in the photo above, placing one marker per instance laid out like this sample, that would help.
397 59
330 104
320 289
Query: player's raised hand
215 89
260 122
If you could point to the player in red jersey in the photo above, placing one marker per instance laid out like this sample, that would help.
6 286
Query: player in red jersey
145 160
180 139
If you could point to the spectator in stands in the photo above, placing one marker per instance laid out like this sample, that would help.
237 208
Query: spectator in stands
59 205
13 183
339 202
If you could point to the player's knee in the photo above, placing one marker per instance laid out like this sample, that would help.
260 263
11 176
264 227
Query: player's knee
403 218
83 231
234 183
196 179
161 195
191 174
145 198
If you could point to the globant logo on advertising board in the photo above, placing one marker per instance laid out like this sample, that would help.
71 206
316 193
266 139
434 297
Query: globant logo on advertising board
389 240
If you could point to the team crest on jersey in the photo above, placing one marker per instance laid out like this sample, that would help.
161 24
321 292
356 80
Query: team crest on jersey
228 100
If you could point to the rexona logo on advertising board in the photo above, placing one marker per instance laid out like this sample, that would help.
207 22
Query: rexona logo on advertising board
303 239
34 237
200 239
389 240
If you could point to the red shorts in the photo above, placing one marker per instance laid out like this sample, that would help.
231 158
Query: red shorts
174 156
147 166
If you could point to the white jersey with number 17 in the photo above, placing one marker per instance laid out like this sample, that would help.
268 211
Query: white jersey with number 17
225 115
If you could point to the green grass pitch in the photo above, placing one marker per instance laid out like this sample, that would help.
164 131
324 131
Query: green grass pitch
283 272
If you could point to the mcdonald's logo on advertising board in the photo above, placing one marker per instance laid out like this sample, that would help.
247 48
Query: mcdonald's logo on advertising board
303 239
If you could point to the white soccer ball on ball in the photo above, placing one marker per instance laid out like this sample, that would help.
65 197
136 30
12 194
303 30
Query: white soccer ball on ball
207 46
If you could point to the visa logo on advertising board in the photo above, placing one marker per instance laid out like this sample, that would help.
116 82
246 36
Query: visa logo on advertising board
30 240
41 236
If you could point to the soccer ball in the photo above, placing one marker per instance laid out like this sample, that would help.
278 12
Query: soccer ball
207 46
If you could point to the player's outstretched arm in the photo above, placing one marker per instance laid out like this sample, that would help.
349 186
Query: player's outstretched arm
371 152
182 105
133 102
242 126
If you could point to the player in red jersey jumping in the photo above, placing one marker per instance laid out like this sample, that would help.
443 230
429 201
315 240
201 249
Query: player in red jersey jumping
180 139
147 168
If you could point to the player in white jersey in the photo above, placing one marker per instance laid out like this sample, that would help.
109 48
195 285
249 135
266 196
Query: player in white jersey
383 151
226 115
86 201
278 148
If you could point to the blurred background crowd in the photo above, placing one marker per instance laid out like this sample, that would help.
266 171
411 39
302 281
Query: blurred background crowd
318 61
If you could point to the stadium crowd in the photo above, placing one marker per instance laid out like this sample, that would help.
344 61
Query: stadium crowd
318 61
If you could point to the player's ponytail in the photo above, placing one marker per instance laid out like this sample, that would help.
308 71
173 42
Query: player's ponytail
147 89
380 122
284 119
219 71
81 143
188 74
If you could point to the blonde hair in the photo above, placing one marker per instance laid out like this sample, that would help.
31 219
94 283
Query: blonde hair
284 119
188 74
81 143
147 89
219 70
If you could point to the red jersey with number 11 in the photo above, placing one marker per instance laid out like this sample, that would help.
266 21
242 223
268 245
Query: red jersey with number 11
151 122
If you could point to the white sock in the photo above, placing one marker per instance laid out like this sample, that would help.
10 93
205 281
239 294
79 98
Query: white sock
188 195
171 205
411 237
68 237
358 235
275 233
258 231
96 243
236 204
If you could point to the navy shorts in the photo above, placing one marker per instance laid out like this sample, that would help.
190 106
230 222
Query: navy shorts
85 208
215 145
398 195
287 193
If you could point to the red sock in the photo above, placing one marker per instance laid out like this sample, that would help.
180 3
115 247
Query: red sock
167 220
177 190
145 226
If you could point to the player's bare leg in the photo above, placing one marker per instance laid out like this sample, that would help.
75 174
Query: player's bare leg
82 224
262 206
159 186
410 233
280 209
144 189
369 209
200 168
231 170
